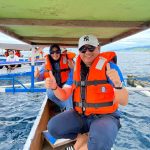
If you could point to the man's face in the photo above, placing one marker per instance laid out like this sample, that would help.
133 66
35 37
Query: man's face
55 53
88 53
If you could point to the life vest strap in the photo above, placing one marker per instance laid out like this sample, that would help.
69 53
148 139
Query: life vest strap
87 83
95 105
62 70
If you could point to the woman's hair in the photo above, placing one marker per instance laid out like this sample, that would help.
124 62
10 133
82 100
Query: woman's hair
54 46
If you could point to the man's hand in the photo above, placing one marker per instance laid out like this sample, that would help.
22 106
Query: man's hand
113 76
50 83
37 73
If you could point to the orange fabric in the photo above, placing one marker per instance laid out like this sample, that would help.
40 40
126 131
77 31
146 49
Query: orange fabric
18 54
63 65
71 55
94 93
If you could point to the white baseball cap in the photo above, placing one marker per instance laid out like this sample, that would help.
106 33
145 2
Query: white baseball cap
88 40
63 50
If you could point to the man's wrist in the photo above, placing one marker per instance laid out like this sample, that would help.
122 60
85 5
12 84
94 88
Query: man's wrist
119 86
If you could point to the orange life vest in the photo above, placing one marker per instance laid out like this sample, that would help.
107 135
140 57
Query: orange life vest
71 55
98 93
64 68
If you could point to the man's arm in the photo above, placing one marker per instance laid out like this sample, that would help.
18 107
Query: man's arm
121 95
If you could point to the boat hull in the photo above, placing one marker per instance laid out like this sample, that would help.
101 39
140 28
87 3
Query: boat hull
35 139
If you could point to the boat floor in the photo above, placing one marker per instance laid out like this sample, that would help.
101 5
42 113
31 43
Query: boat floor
47 146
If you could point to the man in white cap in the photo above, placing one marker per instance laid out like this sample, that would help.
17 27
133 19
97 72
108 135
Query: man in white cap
97 87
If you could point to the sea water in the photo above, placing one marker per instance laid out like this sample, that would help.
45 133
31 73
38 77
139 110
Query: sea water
18 111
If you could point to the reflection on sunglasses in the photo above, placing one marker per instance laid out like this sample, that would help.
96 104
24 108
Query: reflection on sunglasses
90 48
57 52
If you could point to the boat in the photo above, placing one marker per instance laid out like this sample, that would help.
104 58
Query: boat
55 23
23 69
3 59
36 140
19 71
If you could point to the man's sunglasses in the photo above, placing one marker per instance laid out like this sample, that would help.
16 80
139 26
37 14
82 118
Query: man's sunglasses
57 52
90 48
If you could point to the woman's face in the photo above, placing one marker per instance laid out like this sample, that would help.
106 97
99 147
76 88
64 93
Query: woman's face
55 53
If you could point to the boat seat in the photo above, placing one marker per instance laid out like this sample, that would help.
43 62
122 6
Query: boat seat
58 144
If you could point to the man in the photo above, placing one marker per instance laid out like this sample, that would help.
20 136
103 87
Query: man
60 65
12 58
97 91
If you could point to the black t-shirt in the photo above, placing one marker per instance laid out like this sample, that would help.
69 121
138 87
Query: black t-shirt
56 70
84 73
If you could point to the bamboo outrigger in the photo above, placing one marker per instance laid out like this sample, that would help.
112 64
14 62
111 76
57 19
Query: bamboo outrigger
63 22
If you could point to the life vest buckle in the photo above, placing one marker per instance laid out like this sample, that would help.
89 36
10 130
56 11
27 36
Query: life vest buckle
80 104
83 108
82 83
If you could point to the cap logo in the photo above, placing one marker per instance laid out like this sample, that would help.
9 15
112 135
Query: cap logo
86 38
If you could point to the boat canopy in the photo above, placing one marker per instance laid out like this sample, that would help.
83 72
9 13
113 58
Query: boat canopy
6 42
64 21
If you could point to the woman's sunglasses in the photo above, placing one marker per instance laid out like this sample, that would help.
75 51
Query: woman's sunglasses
57 52
90 48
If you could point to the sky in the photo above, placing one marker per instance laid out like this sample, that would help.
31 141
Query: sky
140 39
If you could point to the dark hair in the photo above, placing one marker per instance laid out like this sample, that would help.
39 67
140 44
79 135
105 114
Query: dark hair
54 46
10 50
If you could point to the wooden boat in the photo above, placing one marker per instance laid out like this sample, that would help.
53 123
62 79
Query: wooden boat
100 18
35 139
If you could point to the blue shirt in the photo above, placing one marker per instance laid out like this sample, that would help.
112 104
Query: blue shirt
112 66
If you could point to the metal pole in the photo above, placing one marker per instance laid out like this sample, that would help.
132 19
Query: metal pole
32 68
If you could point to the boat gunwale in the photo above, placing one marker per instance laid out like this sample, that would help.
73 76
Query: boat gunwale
35 125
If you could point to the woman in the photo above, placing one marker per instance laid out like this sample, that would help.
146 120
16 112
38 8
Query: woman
60 65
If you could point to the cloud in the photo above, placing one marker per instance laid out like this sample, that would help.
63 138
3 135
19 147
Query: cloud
138 40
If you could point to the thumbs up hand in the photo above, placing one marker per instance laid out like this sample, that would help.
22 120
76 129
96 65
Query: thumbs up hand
50 83
71 64
36 73
113 76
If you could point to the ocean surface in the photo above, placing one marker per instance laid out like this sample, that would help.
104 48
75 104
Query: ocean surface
18 111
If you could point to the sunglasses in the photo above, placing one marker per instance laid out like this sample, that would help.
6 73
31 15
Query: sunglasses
57 52
90 48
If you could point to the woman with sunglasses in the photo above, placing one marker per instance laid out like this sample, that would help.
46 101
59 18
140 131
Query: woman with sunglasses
97 92
59 65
